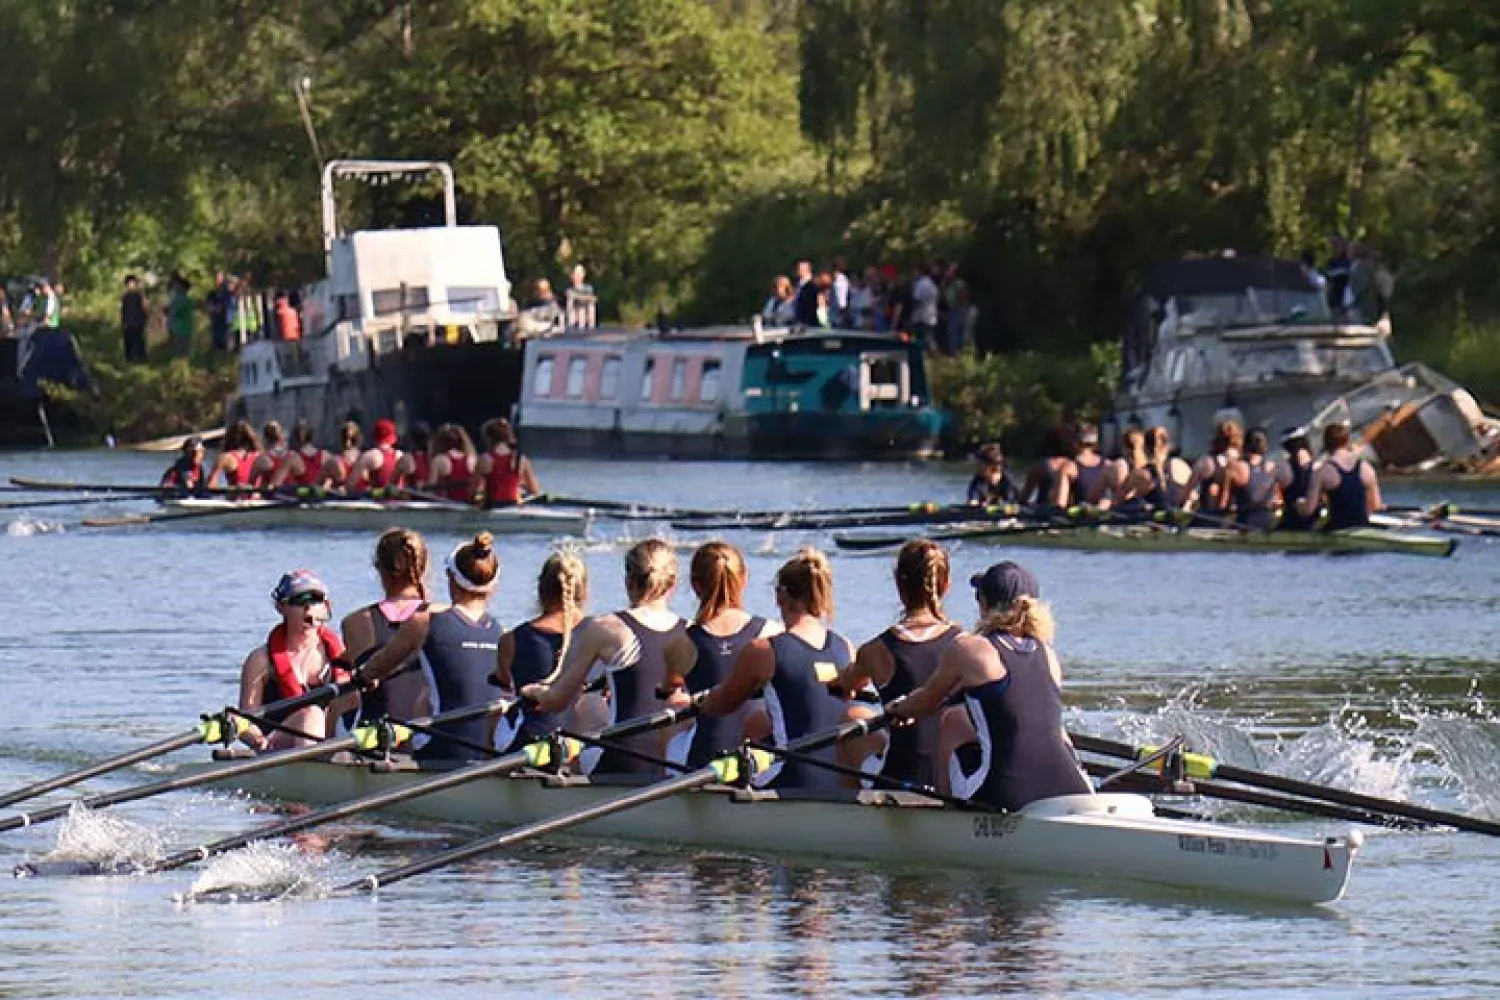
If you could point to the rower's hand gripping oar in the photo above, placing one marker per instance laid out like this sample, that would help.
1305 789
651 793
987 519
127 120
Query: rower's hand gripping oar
1201 768
732 769
356 740
544 754
224 727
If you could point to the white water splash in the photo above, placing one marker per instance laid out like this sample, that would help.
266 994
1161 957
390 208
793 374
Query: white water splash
1470 750
105 839
26 527
263 869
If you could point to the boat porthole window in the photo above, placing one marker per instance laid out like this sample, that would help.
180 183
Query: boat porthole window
609 378
648 381
708 384
679 380
577 369
541 383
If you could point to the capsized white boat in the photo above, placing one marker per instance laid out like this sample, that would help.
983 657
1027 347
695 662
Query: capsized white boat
366 515
1106 836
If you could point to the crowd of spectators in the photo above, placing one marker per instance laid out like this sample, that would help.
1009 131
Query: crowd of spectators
931 304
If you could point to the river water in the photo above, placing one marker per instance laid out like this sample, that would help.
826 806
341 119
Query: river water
1375 673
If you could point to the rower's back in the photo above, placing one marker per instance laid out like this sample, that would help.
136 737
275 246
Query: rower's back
712 736
635 679
404 694
458 658
913 749
1022 753
800 702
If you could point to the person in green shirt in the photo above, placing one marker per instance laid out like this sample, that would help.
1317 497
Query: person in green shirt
180 316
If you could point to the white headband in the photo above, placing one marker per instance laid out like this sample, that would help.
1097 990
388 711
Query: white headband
457 575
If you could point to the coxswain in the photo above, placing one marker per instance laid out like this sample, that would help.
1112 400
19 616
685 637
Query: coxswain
1254 489
1295 479
188 474
301 652
797 670
532 652
1344 481
1010 681
636 649
383 467
451 474
457 643
273 455
720 630
991 485
1211 471
502 475
401 562
236 463
419 445
307 466
1092 468
905 656
1053 481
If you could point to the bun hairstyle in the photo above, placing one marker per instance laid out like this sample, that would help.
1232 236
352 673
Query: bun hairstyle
1228 435
498 431
718 577
302 434
922 576
563 585
241 436
650 570
807 578
272 434
1133 448
401 560
474 566
1257 442
350 436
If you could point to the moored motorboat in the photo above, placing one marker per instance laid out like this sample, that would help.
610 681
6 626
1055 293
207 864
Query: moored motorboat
1163 538
1112 837
365 515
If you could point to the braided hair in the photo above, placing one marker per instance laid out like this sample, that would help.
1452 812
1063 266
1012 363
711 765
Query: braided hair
401 560
922 576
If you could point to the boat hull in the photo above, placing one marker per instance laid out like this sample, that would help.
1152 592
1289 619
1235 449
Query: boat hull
1152 538
1109 837
366 515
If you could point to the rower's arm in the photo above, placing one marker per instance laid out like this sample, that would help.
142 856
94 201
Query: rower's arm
358 633
682 657
219 471
476 480
934 694
505 655
1373 500
528 478
873 663
254 674
407 640
294 465
356 474
1308 505
753 669
593 640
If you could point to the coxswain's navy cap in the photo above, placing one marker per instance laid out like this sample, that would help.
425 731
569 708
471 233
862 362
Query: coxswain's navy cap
297 583
1002 583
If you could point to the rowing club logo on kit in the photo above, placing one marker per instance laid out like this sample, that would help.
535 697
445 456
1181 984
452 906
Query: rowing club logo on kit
725 647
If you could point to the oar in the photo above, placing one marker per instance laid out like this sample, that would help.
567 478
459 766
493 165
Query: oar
173 516
362 738
726 770
45 486
1204 768
69 501
540 753
220 728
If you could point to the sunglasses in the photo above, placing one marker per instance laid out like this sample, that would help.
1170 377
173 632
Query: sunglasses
306 600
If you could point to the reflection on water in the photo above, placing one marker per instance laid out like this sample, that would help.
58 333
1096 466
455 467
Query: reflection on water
1373 673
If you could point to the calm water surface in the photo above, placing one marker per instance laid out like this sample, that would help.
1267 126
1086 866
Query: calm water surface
1374 672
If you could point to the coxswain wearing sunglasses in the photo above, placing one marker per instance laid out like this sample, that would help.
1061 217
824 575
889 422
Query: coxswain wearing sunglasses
300 653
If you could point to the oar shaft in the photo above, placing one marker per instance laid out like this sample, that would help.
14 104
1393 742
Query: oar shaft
145 753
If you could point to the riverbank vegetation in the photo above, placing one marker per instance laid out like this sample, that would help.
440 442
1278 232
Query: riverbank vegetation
688 150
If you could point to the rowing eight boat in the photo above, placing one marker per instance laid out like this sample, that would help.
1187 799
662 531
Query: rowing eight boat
1108 836
365 515
1156 538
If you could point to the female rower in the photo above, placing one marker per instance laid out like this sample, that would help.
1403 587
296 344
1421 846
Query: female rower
237 460
350 440
187 474
306 465
904 656
1164 481
1053 482
382 467
401 562
1129 480
1345 481
637 649
720 630
1253 485
502 473
273 454
1211 471
419 445
533 651
1295 479
796 670
300 653
1010 681
452 469
457 643
1091 467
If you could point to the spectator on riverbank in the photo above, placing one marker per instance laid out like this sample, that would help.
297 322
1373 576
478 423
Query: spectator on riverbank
579 301
807 295
780 308
247 311
180 315
959 308
865 300
838 303
1313 275
924 307
133 319
46 305
220 301
1337 275
288 319
7 321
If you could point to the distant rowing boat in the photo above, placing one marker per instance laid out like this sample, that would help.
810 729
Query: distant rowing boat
1156 538
365 515
1112 837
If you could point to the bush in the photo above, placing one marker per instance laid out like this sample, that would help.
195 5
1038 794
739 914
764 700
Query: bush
1015 398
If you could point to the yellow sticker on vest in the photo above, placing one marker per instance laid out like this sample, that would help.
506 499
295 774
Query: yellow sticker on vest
826 672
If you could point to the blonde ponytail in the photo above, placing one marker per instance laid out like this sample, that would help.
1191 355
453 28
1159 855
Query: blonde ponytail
1026 617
